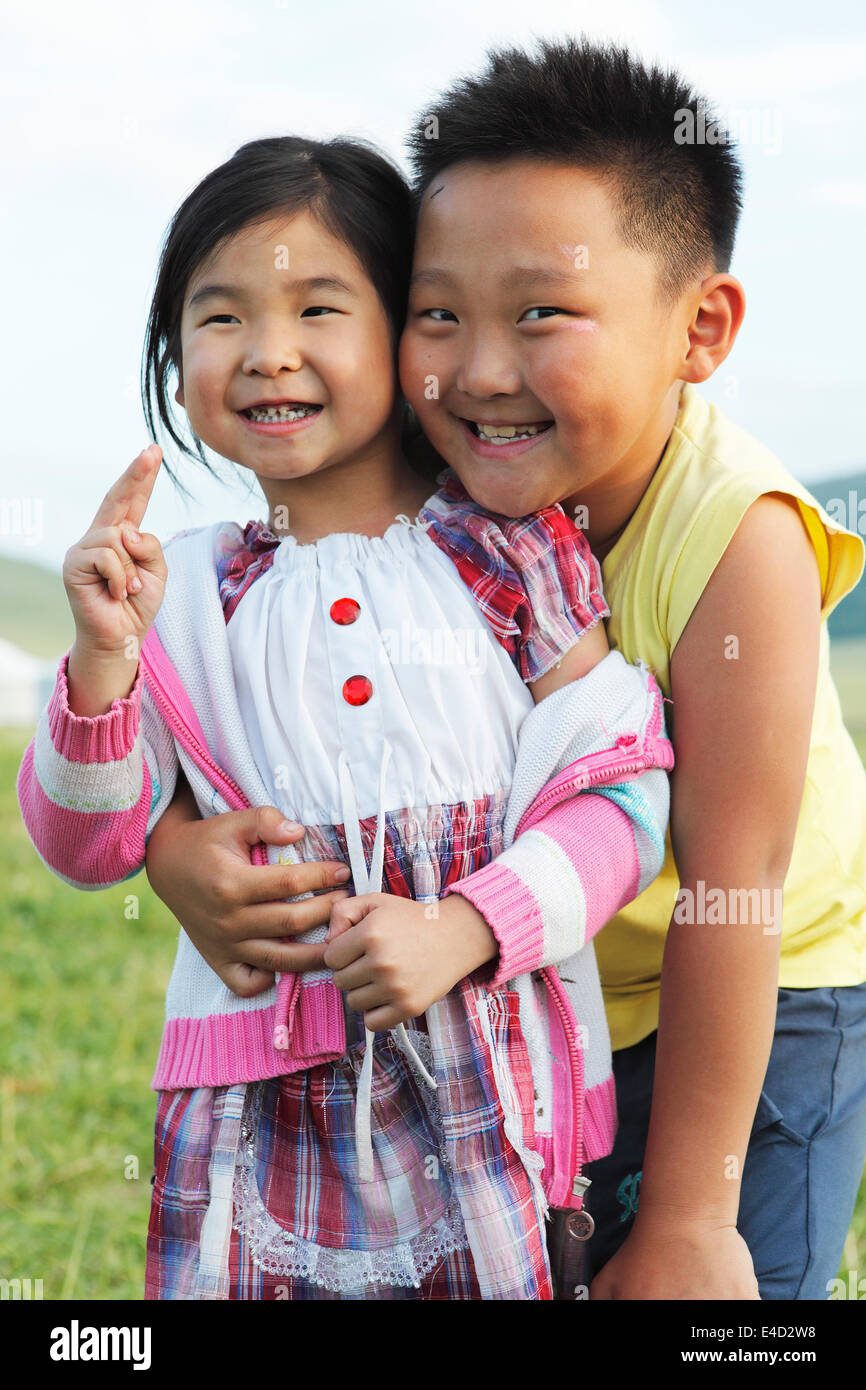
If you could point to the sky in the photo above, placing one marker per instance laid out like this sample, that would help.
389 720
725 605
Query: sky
111 115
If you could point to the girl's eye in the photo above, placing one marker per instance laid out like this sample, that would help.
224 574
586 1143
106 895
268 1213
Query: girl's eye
433 312
315 309
543 309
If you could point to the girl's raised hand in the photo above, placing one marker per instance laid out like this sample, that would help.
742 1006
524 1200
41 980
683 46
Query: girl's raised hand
114 577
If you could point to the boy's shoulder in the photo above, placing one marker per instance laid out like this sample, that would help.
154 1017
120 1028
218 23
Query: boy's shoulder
727 448
711 473
713 466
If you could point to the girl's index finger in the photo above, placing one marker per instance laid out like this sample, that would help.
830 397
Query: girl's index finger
128 498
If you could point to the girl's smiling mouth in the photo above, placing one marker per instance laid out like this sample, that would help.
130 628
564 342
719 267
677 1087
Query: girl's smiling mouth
284 417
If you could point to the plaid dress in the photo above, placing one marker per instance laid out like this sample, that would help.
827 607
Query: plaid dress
282 1151
304 1225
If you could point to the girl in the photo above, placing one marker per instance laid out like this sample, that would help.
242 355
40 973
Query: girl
308 1145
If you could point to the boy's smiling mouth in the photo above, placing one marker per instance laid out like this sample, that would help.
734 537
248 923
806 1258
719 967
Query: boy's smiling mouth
503 437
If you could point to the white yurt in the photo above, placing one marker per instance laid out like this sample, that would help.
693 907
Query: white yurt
26 683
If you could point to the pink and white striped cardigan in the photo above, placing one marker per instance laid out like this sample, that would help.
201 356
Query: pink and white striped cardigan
585 828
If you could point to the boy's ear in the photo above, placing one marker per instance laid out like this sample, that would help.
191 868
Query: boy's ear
178 395
716 315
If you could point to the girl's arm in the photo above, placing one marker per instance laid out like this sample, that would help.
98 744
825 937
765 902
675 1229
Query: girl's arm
91 787
561 880
741 735
539 586
102 765
587 857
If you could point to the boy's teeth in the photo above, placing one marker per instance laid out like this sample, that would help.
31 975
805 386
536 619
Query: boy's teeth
271 414
502 434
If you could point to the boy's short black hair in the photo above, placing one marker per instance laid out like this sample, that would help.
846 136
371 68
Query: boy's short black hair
599 108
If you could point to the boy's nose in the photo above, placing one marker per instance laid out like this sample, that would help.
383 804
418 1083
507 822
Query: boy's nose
487 369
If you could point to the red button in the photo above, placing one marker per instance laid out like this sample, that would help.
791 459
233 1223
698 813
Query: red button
344 611
357 690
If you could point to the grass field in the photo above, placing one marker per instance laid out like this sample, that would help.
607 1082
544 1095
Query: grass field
82 983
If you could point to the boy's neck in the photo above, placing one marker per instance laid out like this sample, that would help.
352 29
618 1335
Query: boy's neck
611 503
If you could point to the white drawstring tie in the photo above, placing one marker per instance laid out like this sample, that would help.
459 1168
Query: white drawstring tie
369 881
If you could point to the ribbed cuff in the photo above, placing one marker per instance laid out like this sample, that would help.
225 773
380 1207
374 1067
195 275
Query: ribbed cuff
512 914
100 738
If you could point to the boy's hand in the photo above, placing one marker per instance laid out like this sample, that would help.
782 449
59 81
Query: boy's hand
233 911
672 1258
394 957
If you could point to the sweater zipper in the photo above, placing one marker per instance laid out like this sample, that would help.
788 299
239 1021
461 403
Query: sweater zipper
179 726
177 723
578 1185
584 782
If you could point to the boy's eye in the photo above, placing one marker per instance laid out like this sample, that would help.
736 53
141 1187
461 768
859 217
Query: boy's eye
433 312
545 309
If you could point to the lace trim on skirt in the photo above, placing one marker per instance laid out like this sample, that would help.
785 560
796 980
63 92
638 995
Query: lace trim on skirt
280 1252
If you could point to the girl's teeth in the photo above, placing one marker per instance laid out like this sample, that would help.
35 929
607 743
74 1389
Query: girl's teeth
279 414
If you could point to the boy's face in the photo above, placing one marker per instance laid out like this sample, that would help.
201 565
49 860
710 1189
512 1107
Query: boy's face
527 309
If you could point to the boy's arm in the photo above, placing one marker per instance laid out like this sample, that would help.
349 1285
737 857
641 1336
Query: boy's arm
234 912
741 736
90 788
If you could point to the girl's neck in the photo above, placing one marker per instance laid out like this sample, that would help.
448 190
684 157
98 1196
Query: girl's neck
363 496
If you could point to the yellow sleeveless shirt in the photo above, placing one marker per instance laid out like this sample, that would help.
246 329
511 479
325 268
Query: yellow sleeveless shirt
710 473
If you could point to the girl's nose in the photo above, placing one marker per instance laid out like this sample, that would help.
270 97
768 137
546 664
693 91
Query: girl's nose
270 352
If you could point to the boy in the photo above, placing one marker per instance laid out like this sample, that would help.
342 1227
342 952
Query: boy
570 287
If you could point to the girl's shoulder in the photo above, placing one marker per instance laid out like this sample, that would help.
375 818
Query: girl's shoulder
242 554
235 554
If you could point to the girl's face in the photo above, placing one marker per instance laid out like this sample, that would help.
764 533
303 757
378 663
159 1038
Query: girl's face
284 313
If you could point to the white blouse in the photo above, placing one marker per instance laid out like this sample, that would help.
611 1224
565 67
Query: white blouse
386 622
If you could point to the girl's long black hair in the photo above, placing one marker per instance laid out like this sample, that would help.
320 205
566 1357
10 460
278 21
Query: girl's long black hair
357 194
